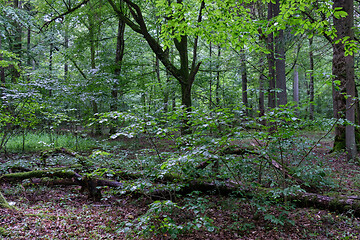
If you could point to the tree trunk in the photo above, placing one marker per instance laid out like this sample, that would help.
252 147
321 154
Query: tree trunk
217 88
66 46
344 82
280 62
311 84
17 44
271 62
244 81
261 95
93 66
2 69
296 88
120 47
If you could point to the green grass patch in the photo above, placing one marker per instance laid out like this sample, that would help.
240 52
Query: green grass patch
39 141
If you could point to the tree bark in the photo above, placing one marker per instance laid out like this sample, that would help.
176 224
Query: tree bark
344 82
296 88
244 81
311 83
271 61
92 37
280 63
120 47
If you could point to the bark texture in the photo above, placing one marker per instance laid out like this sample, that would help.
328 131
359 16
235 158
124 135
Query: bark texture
343 82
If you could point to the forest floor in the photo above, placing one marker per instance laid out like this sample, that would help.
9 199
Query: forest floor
64 212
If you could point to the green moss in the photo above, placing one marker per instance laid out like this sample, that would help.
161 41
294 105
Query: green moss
339 143
4 203
4 232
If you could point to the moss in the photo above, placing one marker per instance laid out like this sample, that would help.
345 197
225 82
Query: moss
4 203
58 172
339 143
3 232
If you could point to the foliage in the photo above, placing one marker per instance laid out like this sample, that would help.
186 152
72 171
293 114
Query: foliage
166 218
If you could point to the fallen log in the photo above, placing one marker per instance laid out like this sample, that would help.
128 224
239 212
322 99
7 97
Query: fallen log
341 204
88 183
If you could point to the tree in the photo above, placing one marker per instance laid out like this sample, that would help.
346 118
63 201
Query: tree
344 82
280 61
311 83
187 71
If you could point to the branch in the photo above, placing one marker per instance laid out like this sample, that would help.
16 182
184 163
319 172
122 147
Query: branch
64 14
197 38
141 28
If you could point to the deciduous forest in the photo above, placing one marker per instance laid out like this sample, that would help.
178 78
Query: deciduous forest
186 119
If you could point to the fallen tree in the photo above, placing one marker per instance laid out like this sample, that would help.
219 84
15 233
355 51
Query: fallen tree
88 183
92 183
62 176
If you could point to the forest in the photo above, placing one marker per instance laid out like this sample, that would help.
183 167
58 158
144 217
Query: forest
186 119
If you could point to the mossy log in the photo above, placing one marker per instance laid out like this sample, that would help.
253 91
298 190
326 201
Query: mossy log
4 203
88 183
341 204
46 154
53 172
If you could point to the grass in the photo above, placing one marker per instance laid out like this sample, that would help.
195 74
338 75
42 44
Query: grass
39 141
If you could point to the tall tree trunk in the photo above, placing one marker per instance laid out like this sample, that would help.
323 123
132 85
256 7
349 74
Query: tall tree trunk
66 46
217 86
17 44
311 83
262 78
244 81
280 62
271 61
296 87
93 66
210 76
50 67
343 72
28 46
120 46
2 69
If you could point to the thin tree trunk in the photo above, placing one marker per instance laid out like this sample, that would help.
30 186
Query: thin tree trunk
210 76
50 66
296 87
93 66
28 46
311 84
2 69
271 62
17 45
262 78
66 45
244 82
217 87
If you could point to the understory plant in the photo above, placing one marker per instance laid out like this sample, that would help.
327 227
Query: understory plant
168 219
